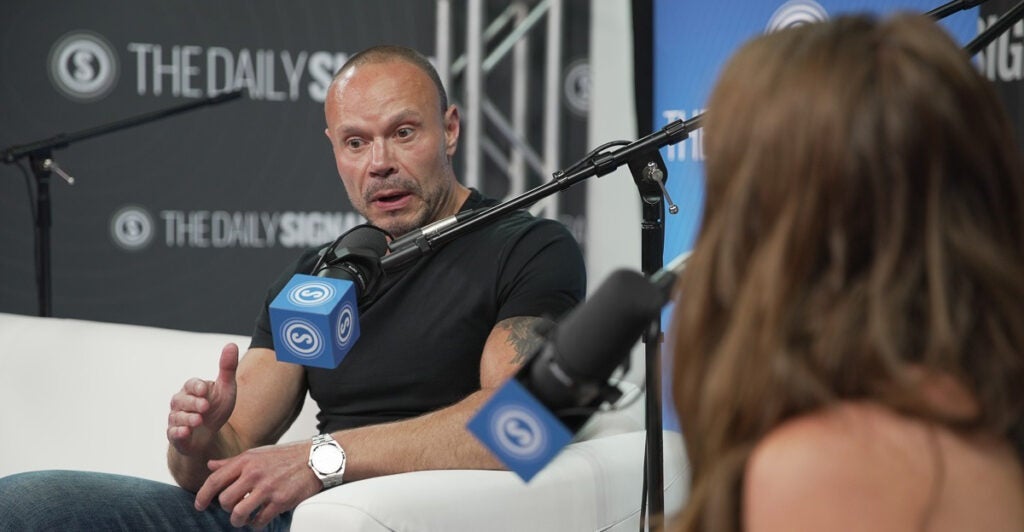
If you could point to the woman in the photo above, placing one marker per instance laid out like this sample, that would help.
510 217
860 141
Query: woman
850 328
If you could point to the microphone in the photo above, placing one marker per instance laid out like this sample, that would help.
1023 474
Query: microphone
315 318
534 414
417 242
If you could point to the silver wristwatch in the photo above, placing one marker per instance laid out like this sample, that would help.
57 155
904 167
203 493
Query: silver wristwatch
327 460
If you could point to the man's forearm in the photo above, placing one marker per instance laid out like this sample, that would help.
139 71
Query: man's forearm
438 440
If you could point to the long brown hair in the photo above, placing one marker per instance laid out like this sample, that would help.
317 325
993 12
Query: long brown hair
864 215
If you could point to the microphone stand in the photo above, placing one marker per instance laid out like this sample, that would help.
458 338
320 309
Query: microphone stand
953 6
990 34
997 28
411 247
40 156
649 173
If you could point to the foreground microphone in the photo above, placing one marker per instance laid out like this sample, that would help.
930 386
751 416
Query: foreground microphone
532 416
314 319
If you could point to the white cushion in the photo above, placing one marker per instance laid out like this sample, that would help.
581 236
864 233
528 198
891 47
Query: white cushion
94 396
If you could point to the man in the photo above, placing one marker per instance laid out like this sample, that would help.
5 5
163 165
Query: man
436 339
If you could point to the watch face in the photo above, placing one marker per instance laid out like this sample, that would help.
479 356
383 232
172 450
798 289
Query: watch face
327 459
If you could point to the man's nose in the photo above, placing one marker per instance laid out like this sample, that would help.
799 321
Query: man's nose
382 163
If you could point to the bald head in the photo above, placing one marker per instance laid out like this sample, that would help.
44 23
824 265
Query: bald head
388 53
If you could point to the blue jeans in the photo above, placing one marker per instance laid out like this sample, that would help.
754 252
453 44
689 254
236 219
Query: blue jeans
74 500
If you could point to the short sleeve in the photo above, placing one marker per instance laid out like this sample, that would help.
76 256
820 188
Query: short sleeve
543 274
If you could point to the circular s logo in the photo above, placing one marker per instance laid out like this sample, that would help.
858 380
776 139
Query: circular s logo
311 294
577 87
302 338
346 324
83 66
796 13
519 432
131 228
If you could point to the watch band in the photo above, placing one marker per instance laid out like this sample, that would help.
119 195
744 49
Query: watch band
321 439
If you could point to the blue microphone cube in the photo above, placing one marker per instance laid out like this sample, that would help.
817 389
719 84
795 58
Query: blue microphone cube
314 321
519 430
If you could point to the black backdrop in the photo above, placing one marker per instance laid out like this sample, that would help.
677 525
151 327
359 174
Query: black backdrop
182 223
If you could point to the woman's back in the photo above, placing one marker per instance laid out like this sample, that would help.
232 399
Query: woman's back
861 466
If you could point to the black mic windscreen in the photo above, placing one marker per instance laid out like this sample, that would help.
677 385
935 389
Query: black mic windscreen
366 237
597 336
355 256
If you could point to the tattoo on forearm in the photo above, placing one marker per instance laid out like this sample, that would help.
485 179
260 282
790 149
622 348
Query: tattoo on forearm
523 336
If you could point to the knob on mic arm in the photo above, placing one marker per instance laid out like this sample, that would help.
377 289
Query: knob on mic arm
653 173
650 175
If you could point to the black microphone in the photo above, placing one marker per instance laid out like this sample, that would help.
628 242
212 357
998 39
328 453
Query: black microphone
315 318
569 373
355 256
534 414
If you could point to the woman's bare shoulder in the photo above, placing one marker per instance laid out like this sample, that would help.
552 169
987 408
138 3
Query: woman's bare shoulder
858 465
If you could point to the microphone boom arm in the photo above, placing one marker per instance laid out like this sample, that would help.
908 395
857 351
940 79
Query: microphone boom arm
599 165
62 140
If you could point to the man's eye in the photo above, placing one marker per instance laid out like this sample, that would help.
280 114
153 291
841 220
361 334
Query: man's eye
404 132
354 143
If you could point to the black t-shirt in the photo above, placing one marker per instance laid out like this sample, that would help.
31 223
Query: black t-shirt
422 334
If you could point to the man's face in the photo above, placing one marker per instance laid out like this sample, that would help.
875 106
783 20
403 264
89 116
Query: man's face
392 145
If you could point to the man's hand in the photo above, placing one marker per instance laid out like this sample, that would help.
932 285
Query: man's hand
202 407
261 483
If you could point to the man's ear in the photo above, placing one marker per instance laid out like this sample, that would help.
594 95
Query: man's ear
451 129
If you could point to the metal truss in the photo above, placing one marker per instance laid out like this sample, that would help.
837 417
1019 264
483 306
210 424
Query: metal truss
515 22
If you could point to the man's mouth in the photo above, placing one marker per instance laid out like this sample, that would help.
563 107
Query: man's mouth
391 200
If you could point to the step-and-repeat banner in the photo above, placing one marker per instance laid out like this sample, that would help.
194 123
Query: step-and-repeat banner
693 40
183 222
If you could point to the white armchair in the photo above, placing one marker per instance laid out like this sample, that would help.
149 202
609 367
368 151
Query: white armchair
106 388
